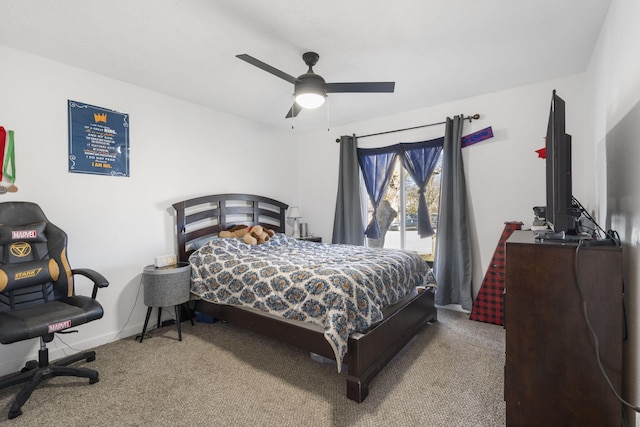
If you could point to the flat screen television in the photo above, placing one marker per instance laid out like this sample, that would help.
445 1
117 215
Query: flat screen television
560 214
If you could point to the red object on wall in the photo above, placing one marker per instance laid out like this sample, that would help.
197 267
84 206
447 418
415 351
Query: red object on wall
489 304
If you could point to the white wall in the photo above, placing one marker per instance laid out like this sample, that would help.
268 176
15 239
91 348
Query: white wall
505 177
117 225
613 79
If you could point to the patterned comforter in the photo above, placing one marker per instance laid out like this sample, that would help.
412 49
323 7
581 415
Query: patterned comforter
342 288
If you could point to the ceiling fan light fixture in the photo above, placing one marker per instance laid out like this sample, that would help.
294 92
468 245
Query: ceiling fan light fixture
310 90
310 100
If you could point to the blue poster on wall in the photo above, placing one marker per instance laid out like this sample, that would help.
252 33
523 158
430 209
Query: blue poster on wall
98 140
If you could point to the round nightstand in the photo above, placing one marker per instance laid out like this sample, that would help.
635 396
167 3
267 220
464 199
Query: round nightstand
164 287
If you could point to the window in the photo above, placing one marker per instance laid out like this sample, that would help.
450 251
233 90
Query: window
398 213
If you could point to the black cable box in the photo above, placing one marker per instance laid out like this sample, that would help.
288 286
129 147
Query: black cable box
599 242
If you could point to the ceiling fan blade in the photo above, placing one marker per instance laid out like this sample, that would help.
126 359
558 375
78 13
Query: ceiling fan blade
268 68
380 87
294 111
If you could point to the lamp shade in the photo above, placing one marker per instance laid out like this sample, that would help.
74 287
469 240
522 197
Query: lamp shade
294 212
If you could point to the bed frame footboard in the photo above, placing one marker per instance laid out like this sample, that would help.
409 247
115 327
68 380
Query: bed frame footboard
369 353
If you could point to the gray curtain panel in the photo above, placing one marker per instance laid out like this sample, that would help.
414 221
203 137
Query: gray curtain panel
452 265
347 222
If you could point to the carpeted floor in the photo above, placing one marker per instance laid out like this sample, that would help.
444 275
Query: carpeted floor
450 374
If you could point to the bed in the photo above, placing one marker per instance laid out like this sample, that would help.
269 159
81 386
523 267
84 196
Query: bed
362 346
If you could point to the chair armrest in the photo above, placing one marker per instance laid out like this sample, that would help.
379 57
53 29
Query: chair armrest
99 281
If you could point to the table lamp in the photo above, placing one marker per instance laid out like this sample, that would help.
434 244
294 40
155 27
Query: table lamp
294 213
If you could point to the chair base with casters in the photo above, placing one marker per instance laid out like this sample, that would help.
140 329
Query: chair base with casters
36 371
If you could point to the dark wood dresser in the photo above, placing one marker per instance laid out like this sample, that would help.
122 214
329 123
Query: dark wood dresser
552 377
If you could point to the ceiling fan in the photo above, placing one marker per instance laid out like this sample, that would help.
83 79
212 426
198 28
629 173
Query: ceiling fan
310 89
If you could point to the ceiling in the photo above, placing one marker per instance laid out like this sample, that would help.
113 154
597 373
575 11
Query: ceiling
436 51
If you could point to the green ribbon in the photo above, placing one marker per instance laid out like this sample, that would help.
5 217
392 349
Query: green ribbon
10 160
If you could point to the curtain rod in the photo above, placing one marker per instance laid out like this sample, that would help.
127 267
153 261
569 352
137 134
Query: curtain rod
470 118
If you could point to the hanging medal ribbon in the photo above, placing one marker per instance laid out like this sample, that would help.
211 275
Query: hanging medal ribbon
10 163
3 141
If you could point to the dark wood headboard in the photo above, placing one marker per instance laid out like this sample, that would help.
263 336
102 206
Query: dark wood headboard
204 217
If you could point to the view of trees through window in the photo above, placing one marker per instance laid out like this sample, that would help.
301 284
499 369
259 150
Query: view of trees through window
402 198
